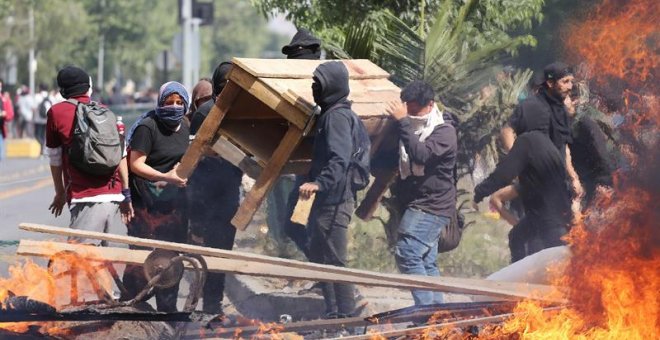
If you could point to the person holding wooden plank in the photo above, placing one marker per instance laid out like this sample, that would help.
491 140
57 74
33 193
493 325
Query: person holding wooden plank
213 197
156 146
427 156
331 181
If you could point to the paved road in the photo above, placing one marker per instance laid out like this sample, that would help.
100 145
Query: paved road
26 191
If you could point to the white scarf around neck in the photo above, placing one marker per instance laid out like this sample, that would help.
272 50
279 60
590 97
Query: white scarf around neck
423 127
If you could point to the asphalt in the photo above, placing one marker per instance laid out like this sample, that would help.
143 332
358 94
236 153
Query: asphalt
26 191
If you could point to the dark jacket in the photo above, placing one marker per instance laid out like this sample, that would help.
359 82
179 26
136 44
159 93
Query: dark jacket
333 144
435 191
589 154
545 113
541 171
214 179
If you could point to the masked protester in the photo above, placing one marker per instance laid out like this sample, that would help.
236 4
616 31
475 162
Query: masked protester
426 188
333 205
213 197
156 145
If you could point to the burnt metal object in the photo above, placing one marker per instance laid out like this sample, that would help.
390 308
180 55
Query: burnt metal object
418 314
23 304
160 261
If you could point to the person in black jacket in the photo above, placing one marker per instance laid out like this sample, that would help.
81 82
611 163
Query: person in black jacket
547 112
213 198
590 156
333 206
540 168
427 156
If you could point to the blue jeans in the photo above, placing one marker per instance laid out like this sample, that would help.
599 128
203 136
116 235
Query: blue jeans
416 249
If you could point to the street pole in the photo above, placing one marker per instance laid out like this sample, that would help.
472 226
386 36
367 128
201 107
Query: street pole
186 18
195 49
101 57
32 63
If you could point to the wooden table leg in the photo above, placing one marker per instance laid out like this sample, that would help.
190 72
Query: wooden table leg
369 204
207 134
267 178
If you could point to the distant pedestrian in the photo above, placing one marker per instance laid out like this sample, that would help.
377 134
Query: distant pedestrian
26 109
6 116
43 103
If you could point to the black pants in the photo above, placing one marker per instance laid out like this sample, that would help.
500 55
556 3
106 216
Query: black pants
531 235
328 245
214 224
298 233
171 227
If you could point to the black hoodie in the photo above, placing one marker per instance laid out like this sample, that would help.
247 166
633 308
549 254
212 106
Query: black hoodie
545 113
333 144
541 170
303 46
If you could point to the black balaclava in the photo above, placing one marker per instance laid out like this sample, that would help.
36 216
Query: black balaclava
72 81
556 71
303 45
219 79
330 85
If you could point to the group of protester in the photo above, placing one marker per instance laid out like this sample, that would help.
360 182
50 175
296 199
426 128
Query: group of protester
145 194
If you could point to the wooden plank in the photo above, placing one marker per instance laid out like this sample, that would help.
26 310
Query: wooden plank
215 264
207 132
446 284
428 330
360 92
237 157
267 178
294 114
372 198
295 68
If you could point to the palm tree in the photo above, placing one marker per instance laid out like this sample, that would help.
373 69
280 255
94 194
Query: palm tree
452 57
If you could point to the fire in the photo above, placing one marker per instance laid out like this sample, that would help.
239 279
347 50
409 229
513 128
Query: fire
619 41
612 280
54 287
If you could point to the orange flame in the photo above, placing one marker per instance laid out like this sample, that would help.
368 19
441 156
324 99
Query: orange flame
619 41
55 286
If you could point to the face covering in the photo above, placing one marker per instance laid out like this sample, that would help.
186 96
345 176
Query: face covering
170 115
316 91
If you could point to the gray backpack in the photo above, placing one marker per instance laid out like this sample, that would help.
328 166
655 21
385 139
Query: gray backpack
95 144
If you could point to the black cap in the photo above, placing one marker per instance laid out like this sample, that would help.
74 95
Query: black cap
303 45
557 70
537 79
72 81
219 79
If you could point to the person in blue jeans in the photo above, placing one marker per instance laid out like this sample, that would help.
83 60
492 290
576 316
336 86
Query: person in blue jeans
425 188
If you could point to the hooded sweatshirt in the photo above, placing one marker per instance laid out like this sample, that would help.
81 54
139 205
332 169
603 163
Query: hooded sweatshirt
541 170
333 143
545 113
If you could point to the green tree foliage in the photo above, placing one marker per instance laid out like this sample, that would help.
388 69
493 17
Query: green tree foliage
134 33
238 31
